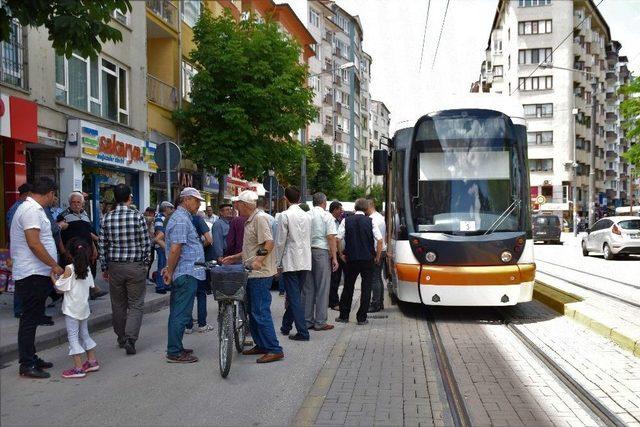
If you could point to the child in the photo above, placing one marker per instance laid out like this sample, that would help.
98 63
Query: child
75 284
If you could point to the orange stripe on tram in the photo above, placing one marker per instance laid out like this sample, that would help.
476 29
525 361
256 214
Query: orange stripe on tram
477 276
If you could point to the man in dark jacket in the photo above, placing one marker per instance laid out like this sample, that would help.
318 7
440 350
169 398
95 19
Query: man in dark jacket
361 249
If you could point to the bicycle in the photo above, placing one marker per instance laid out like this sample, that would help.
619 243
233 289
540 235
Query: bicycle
228 284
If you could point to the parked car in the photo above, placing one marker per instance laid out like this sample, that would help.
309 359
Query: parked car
546 228
614 235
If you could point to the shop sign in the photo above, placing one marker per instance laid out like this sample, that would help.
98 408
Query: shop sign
210 183
18 118
107 146
185 179
554 207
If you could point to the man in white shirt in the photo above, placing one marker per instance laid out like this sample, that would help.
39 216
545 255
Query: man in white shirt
293 257
377 285
315 292
34 256
209 217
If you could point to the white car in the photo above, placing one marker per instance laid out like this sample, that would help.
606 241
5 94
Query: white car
614 235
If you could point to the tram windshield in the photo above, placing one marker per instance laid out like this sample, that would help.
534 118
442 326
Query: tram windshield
467 174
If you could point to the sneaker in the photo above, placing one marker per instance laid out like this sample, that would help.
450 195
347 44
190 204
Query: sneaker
341 320
205 328
74 373
188 331
90 366
33 372
363 322
182 358
130 347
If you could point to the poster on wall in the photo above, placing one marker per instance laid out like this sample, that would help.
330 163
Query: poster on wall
102 145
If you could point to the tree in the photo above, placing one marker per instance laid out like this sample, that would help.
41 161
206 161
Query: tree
376 191
630 110
248 98
80 26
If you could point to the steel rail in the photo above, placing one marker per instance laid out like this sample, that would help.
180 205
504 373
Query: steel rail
591 274
586 397
580 285
454 397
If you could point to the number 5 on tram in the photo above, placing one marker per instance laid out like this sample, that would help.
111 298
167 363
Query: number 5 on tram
457 206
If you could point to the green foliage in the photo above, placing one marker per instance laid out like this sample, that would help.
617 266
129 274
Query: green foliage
630 110
247 99
377 192
80 26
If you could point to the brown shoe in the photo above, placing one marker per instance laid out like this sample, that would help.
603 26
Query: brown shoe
253 351
271 357
182 358
187 350
325 327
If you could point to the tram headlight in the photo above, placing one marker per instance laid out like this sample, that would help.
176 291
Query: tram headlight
430 256
506 256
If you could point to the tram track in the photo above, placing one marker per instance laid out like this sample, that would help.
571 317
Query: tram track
631 285
591 289
457 407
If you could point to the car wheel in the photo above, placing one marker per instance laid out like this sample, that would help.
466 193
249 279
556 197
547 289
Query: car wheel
606 250
585 252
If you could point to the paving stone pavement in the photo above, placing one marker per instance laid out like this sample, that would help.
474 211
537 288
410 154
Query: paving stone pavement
607 371
501 381
387 376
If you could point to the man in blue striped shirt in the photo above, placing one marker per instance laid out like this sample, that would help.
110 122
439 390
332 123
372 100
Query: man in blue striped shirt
183 249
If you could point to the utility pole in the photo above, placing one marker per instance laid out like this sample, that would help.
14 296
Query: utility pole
574 168
592 154
303 165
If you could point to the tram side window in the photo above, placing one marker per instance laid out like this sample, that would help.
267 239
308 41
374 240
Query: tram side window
400 220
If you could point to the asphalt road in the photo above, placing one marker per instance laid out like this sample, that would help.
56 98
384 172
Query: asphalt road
146 390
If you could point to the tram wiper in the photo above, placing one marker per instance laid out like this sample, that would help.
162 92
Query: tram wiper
504 215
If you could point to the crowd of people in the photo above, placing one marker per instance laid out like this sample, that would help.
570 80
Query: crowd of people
307 251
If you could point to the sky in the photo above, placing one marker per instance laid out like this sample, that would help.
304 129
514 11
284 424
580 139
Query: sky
393 36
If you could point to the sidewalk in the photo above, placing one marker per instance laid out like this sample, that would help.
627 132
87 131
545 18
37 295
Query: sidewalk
50 336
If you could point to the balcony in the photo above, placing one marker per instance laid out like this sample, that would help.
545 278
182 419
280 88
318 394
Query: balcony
328 129
611 135
328 36
338 108
161 93
328 100
611 76
612 57
611 96
611 117
166 11
610 173
611 154
338 136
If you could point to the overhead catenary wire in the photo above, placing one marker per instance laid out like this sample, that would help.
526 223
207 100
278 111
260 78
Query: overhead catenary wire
554 49
444 18
424 35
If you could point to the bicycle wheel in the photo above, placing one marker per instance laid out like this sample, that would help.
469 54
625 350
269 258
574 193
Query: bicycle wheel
225 347
240 327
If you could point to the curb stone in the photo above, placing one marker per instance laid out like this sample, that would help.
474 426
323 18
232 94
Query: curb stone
576 308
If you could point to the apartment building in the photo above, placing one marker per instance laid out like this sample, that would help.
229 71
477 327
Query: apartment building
557 96
378 132
79 121
340 75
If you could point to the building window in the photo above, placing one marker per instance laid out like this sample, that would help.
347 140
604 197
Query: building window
314 18
534 56
497 71
538 110
497 45
121 17
543 26
533 3
540 138
188 72
535 83
541 165
12 57
97 86
190 10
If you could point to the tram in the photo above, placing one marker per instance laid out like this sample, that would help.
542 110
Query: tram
457 206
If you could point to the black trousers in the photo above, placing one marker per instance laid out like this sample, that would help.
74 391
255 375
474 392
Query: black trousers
33 291
351 271
336 278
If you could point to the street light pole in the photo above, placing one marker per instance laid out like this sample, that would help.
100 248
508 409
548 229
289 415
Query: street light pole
574 168
303 137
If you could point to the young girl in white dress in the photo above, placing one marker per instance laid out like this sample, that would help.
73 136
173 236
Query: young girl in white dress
75 284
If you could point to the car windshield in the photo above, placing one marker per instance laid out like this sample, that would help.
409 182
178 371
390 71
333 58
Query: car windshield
632 224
